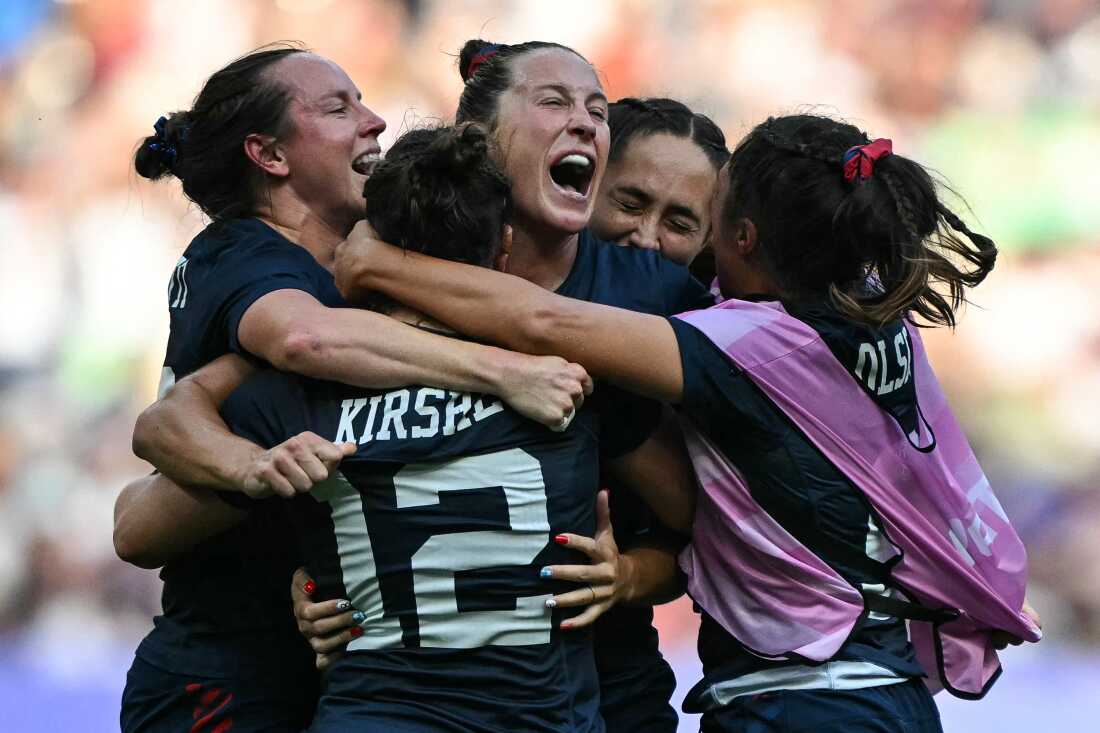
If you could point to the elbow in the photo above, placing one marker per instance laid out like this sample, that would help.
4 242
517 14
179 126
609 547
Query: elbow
144 432
302 351
130 549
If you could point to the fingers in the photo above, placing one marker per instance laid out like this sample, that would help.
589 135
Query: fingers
329 625
324 661
266 477
298 585
587 385
599 573
315 612
362 231
581 384
297 464
335 642
586 617
587 545
603 514
585 596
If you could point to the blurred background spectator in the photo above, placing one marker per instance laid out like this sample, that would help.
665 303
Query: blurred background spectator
1001 96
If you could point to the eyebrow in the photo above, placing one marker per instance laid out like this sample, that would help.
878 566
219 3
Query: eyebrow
340 94
565 92
678 209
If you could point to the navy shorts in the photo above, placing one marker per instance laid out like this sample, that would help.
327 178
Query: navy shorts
156 701
635 698
902 708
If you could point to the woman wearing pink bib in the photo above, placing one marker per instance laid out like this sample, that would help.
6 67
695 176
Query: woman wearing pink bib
847 552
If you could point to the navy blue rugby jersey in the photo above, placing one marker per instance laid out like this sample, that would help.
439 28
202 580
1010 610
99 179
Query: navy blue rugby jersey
636 683
797 485
437 529
226 602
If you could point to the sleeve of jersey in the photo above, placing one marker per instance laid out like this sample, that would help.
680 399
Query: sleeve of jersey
682 292
707 372
626 419
258 270
267 409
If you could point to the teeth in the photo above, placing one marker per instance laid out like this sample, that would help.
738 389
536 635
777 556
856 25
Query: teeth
575 159
365 163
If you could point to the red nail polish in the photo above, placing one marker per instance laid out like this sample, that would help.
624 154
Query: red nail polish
356 632
561 539
309 587
565 626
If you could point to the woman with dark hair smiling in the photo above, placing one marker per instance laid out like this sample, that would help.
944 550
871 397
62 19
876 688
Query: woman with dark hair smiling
275 151
661 172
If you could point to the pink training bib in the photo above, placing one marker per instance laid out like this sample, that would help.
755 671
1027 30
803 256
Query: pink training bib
958 552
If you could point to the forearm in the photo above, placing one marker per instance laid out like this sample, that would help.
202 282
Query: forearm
476 301
659 471
185 438
374 351
157 520
634 350
652 576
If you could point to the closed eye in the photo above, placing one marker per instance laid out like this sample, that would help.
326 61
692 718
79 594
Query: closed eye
628 206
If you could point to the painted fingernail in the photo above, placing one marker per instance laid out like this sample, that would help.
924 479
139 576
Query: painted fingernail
356 632
551 603
343 605
566 625
546 573
359 617
309 587
561 539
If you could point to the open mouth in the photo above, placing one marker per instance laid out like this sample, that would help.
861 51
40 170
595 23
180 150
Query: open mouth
573 174
364 164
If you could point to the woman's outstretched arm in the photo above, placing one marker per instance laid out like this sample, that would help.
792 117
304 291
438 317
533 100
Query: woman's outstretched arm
634 350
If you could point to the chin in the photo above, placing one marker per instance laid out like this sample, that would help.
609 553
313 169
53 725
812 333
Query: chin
569 218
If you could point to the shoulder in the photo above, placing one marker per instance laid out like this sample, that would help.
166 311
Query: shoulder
637 279
627 261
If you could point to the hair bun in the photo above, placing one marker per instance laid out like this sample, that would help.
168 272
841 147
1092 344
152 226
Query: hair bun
158 153
474 53
457 151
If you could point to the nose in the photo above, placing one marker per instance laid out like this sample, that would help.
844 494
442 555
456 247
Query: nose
644 235
371 123
582 124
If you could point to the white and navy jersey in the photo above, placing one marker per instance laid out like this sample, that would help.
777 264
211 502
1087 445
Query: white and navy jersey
226 607
436 529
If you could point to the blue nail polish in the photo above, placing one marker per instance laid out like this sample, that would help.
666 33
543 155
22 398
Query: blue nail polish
546 573
359 617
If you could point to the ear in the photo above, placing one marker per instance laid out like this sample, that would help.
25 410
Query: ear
744 236
501 262
266 155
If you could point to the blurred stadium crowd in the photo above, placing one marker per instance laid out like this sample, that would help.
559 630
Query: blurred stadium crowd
1001 96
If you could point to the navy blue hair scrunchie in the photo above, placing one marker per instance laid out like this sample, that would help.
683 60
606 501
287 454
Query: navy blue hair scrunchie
168 152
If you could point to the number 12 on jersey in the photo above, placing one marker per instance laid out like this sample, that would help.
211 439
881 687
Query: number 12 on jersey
403 537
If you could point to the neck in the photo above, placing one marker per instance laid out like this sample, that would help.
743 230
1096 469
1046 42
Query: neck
544 258
307 229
